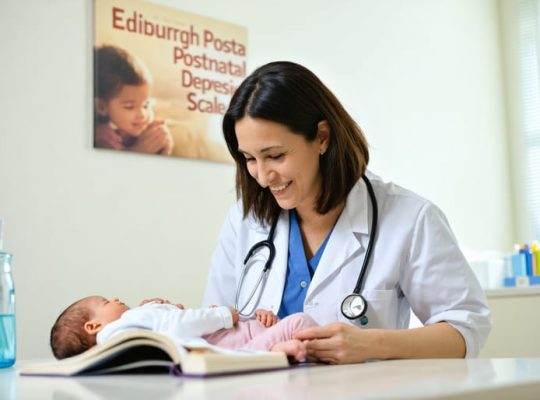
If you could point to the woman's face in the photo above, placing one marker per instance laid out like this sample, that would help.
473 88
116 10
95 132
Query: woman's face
130 109
282 161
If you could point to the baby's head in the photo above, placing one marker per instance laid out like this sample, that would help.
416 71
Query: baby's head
76 328
122 90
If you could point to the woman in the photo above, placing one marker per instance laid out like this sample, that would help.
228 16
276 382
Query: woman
301 167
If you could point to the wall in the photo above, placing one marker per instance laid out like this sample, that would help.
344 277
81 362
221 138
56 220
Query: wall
510 35
422 78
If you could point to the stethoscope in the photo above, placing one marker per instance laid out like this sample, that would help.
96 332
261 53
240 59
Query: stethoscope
353 306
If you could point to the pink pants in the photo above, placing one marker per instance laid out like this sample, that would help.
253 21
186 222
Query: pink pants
251 334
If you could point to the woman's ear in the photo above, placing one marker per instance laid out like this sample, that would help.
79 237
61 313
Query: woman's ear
92 327
323 133
101 107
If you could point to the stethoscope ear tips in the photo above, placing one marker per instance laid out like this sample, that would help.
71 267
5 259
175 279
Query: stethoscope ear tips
363 320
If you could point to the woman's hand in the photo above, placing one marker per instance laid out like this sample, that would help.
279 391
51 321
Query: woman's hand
340 343
337 343
265 317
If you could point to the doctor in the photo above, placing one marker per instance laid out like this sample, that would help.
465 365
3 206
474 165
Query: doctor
318 224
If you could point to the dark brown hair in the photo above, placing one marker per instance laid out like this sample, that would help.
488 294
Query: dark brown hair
113 68
68 337
292 95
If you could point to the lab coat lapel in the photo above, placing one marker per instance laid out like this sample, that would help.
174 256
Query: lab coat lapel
345 238
281 241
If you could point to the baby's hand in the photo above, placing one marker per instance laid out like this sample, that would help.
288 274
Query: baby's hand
159 300
234 314
265 317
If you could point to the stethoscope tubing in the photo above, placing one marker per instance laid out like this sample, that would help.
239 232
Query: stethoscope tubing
372 233
269 244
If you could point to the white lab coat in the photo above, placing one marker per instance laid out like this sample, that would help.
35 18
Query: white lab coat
416 263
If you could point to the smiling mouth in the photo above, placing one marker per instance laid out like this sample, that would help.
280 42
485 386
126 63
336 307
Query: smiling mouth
277 189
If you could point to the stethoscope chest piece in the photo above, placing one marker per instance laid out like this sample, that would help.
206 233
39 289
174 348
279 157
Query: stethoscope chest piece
354 306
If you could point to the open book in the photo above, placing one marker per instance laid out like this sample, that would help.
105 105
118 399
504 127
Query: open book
147 351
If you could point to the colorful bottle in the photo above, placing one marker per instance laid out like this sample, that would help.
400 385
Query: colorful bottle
526 251
535 248
519 262
7 309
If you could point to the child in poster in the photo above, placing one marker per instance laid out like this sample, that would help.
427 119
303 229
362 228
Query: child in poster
124 118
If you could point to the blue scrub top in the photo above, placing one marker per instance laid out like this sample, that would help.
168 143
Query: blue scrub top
299 270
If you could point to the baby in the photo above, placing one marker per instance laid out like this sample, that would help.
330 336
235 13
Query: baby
93 320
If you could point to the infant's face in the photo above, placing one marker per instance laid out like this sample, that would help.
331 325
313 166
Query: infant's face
131 109
106 310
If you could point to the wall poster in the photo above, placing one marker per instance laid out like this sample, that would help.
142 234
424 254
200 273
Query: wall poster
163 79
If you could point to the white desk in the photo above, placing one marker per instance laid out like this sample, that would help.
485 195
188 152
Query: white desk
512 378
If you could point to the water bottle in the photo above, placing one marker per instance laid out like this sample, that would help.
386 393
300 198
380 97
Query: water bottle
7 309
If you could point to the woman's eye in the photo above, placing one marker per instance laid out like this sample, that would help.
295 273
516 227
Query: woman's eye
276 157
